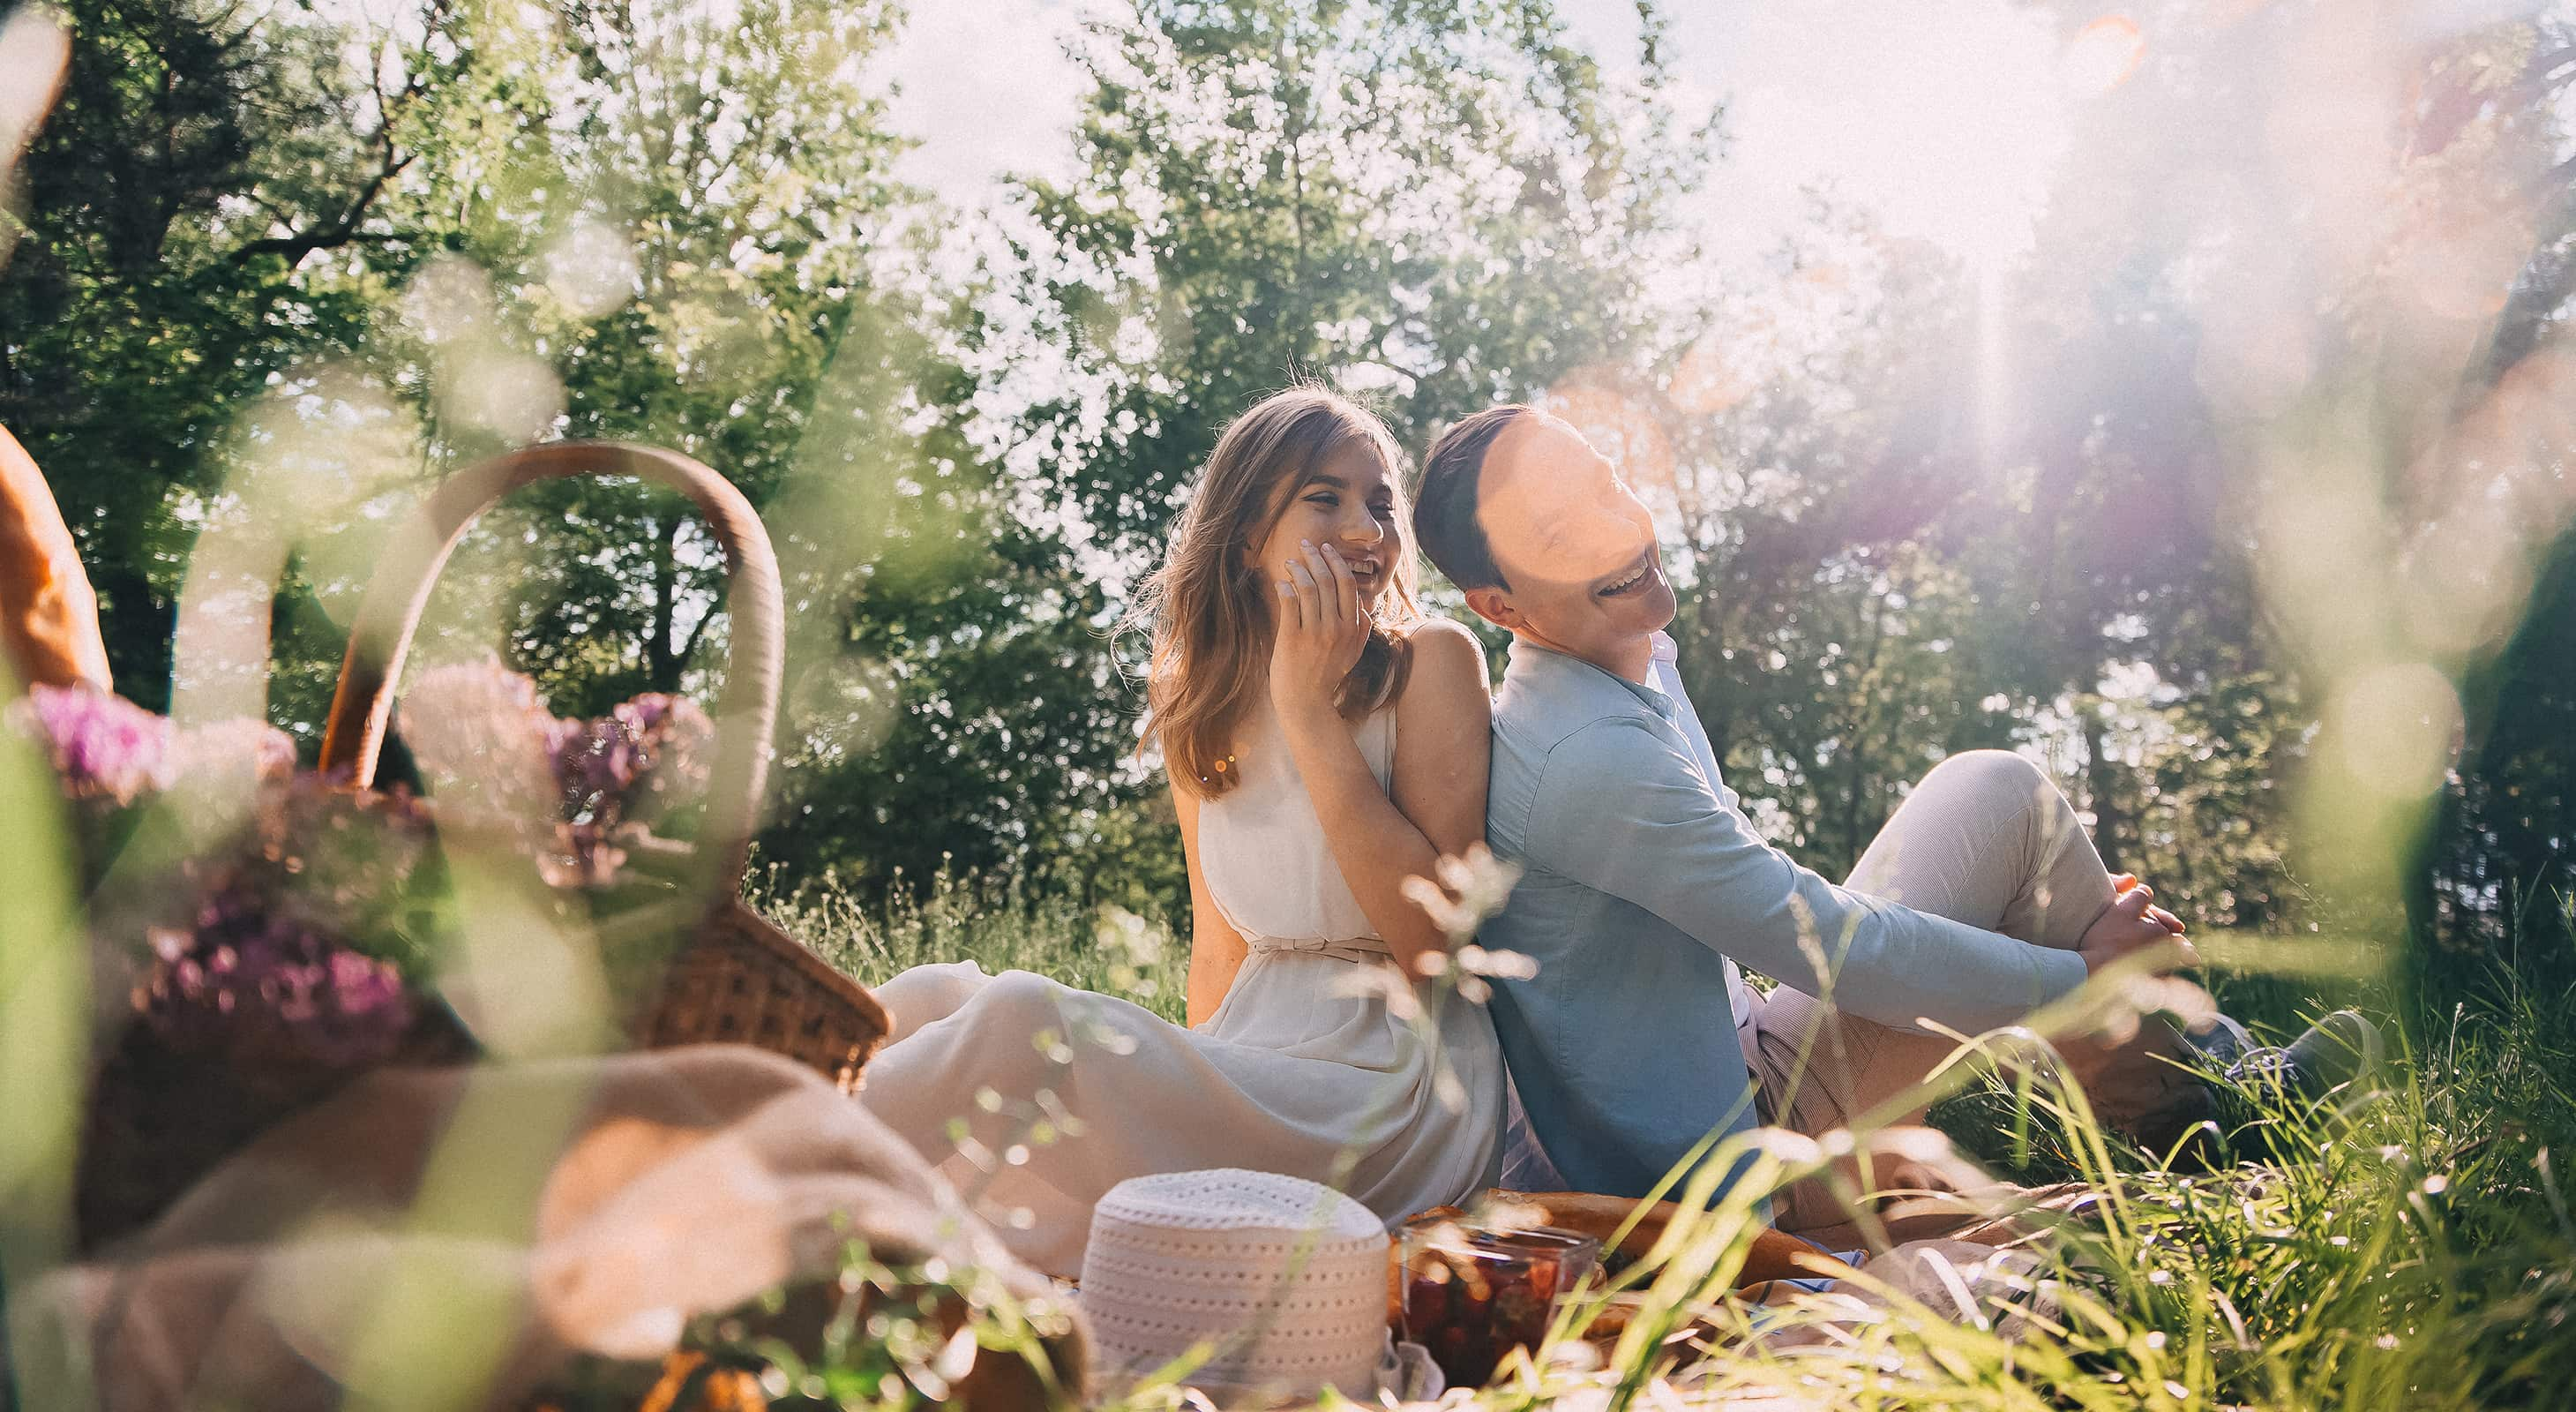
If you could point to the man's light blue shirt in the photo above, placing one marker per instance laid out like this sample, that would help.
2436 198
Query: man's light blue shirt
1642 885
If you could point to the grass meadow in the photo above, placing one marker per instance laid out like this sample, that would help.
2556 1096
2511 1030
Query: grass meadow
2410 1247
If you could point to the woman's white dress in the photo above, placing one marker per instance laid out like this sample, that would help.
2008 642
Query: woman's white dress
1304 1069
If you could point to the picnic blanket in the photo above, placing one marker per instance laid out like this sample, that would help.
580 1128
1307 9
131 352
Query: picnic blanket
494 1224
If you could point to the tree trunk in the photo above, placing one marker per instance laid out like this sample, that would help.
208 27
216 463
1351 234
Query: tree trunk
138 625
661 651
2102 791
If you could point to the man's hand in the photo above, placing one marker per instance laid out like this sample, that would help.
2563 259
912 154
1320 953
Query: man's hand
2122 882
2132 923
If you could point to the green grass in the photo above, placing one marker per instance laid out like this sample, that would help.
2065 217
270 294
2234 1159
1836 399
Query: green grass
1001 929
2412 1249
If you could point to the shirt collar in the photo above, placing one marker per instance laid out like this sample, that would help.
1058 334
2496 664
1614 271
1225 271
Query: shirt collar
1533 663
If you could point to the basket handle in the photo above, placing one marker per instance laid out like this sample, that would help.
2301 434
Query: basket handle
391 611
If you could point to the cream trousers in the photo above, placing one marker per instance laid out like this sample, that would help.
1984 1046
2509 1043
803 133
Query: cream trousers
1987 839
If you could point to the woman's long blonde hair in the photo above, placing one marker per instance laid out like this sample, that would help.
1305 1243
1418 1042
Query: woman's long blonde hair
1208 611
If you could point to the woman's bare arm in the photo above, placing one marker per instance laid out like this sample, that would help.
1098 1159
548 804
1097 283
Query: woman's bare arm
1444 744
1216 949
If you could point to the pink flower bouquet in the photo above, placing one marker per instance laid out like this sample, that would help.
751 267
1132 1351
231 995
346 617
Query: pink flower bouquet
264 935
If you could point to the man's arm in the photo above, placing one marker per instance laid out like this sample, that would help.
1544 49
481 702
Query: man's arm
1623 809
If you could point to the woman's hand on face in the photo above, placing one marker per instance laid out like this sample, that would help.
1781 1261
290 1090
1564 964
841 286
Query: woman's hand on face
1322 626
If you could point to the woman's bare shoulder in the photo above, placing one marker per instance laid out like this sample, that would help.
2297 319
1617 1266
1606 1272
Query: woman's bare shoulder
1448 662
1440 628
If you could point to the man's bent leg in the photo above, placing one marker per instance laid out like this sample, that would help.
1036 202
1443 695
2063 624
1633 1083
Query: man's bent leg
1987 839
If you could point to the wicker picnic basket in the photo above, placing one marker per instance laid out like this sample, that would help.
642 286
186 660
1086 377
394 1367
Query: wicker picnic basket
733 978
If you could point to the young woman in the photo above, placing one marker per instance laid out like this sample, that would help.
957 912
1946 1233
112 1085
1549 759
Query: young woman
1325 742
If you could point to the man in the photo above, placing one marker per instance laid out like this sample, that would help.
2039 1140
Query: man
1643 884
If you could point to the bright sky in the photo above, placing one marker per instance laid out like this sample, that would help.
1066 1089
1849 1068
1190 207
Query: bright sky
1945 118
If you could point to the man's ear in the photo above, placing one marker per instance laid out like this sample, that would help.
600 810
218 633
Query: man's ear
1494 606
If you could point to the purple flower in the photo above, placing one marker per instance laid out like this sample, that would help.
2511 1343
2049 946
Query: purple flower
643 753
102 746
259 934
105 747
483 739
270 996
595 763
677 738
338 861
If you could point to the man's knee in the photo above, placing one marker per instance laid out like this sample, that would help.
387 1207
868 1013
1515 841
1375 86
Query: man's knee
1993 782
2000 770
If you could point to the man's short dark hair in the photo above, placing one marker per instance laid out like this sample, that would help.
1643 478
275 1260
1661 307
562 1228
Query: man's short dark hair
1444 503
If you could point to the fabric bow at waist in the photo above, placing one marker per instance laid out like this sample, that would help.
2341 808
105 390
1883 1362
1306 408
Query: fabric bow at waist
1363 949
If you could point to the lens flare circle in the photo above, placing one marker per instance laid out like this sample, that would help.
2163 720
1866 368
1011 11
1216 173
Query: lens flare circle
2102 56
2395 727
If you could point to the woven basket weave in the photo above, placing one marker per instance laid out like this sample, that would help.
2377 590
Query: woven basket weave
735 978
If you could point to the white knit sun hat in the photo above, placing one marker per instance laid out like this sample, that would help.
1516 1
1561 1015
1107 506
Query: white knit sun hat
1286 1278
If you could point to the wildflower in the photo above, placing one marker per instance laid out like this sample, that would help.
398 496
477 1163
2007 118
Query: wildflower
269 997
571 788
1126 934
1794 1150
1499 965
1463 891
482 739
336 862
1384 983
636 761
101 746
1447 1089
1132 945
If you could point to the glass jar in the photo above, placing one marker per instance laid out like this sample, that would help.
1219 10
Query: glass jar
1473 1293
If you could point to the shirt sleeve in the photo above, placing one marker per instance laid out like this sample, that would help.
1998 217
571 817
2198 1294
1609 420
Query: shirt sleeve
1623 809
